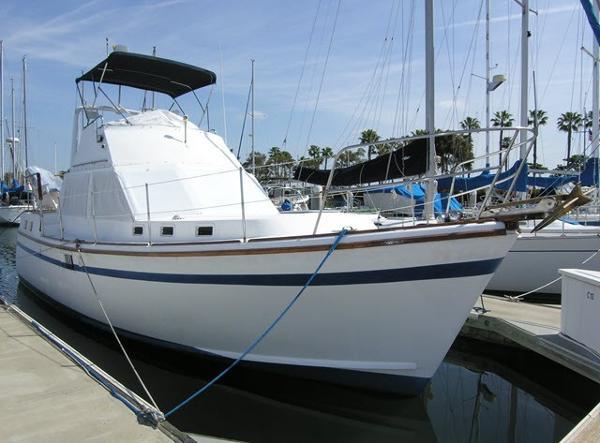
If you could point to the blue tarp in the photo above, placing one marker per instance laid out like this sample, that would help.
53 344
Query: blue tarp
549 183
589 175
14 188
485 178
418 193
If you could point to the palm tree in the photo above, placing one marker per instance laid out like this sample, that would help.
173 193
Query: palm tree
369 136
327 153
537 118
315 154
502 119
314 151
569 122
470 123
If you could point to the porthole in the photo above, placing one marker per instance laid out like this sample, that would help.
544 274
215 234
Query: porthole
138 230
166 230
204 230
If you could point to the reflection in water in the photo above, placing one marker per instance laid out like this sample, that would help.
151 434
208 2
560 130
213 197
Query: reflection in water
471 398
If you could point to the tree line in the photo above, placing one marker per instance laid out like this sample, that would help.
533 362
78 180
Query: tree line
452 149
279 163
568 122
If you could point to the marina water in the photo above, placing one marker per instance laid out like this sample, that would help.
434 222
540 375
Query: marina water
480 393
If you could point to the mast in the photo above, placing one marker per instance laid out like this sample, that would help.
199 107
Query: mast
25 113
487 83
12 136
595 98
2 110
524 76
429 106
252 88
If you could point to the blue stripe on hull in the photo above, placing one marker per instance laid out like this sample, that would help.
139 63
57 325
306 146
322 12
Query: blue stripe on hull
430 272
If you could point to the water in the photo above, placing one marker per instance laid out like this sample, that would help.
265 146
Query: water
481 393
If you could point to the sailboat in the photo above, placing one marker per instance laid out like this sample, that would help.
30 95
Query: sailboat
531 267
12 203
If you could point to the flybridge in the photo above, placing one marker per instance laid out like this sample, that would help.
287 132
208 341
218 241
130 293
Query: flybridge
149 73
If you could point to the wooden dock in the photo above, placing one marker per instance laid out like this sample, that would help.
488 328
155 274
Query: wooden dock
532 326
47 396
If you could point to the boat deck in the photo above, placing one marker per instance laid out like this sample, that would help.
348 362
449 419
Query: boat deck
533 326
45 396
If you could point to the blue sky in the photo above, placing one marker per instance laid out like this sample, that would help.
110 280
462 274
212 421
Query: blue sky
361 82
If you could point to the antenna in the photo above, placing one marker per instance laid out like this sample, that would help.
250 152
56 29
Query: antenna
252 115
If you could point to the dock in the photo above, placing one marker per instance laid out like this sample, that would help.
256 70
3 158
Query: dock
50 392
537 327
532 326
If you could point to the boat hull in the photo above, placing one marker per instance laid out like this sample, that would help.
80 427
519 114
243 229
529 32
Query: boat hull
535 259
380 315
11 215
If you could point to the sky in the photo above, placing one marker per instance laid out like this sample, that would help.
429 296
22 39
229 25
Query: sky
324 69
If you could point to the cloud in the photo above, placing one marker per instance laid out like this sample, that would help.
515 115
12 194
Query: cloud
504 18
65 38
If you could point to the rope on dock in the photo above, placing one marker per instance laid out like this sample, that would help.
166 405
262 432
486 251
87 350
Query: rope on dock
260 337
117 336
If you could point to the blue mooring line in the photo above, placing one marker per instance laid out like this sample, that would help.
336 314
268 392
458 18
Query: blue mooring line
258 339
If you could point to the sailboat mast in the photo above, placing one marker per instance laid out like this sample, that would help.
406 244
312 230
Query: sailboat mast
25 113
524 77
487 82
2 110
252 120
430 105
595 98
12 135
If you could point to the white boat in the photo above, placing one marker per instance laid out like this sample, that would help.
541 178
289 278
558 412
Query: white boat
11 214
185 249
535 258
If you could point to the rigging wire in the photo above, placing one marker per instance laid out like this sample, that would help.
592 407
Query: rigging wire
363 102
401 100
315 68
306 53
472 44
244 122
335 19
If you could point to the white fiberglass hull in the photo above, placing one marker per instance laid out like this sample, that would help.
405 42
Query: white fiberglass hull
535 259
10 215
386 303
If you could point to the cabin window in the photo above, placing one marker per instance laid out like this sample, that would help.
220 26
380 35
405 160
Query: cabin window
166 230
204 230
138 230
30 225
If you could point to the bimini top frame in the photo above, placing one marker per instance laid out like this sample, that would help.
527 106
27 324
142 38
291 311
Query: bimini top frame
149 73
